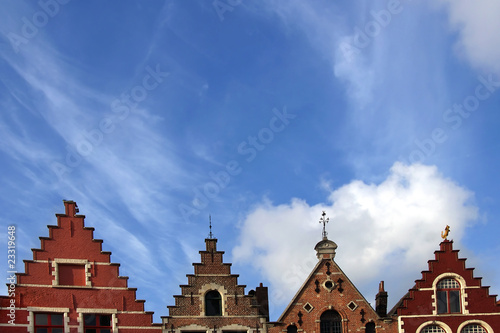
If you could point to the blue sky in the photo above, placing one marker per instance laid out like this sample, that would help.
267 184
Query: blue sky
154 115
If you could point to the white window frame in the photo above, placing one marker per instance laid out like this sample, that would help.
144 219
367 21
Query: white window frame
445 327
36 309
475 321
82 311
83 262
463 293
212 286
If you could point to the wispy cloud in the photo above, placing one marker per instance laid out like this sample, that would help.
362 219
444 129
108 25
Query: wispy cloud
477 24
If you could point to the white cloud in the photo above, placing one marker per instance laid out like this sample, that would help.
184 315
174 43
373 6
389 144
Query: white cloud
384 231
478 24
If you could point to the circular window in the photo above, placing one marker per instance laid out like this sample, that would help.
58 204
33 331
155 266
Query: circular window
329 285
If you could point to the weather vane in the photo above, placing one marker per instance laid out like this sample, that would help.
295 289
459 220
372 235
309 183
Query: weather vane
324 220
444 235
210 235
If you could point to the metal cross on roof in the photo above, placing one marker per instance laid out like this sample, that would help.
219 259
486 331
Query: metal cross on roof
324 220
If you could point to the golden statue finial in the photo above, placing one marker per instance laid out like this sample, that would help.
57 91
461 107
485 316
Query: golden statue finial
444 234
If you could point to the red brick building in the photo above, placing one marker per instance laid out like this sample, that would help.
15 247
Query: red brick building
448 298
328 302
71 286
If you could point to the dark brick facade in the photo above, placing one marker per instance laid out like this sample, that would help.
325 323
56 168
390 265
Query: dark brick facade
239 311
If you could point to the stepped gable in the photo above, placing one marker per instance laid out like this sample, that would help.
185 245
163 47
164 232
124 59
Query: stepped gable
473 301
329 298
70 274
213 300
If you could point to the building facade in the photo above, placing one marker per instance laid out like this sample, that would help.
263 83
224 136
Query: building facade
212 300
71 286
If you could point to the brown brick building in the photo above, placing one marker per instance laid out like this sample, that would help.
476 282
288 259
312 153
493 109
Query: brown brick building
212 300
71 286
328 302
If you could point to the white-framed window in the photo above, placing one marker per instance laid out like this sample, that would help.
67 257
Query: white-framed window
71 272
450 294
432 329
97 320
213 299
47 320
474 326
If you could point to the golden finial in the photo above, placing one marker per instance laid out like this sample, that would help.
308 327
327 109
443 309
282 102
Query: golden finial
444 234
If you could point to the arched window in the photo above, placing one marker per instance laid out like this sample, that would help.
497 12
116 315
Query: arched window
331 322
432 329
291 329
448 296
473 328
370 327
213 303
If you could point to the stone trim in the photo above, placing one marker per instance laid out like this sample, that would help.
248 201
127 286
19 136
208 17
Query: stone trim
213 286
463 293
112 312
33 309
445 327
84 262
475 321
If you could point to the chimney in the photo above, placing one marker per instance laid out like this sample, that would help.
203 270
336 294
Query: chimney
381 301
262 301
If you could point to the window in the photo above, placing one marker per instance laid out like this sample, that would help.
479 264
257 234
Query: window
370 327
473 328
291 329
213 303
97 323
331 322
49 323
72 275
448 296
432 329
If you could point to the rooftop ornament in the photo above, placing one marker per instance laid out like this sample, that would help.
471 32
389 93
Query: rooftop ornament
324 220
444 235
210 235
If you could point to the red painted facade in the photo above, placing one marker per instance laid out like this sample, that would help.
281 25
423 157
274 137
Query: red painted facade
473 303
71 286
70 283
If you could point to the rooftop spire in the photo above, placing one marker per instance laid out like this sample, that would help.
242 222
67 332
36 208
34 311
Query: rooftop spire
210 235
324 220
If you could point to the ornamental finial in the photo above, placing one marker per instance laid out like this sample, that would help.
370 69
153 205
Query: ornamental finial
324 220
210 235
444 234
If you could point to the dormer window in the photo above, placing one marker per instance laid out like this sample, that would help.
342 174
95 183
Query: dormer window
213 303
448 296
